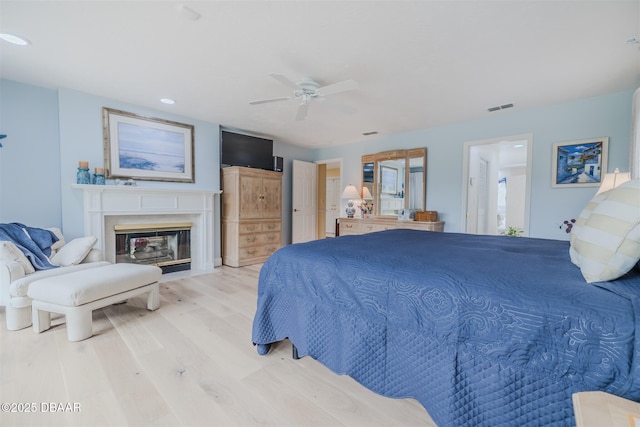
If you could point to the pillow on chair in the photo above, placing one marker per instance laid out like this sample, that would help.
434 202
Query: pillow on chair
74 252
60 243
10 251
605 241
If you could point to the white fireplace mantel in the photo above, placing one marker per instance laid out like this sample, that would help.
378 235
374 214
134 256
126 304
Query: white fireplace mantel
108 205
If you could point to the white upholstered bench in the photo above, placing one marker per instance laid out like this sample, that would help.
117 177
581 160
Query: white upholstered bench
77 294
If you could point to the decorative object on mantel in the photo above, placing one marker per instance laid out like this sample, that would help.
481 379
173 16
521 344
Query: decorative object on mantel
350 192
128 183
83 176
98 177
2 136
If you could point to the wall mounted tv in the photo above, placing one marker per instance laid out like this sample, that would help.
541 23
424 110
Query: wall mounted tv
244 150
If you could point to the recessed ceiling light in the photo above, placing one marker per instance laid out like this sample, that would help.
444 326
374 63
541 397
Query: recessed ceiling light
13 39
168 101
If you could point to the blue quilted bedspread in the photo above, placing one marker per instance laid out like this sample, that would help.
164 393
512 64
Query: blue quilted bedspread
481 330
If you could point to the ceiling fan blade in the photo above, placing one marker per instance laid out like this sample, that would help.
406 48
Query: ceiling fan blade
264 101
302 111
285 81
337 87
338 105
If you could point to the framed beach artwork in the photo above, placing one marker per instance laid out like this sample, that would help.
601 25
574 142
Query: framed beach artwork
147 149
581 163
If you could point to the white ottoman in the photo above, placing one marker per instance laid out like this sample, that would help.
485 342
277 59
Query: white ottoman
77 294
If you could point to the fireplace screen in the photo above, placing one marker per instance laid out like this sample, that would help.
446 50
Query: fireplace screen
165 245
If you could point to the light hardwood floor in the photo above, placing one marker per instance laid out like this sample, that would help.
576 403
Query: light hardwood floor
189 363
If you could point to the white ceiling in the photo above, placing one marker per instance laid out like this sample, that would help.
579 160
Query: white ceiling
418 64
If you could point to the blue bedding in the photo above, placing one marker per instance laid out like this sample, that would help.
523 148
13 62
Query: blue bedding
481 330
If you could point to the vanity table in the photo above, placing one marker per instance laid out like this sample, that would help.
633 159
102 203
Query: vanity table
349 226
397 182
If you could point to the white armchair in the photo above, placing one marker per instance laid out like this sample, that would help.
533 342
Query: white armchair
16 275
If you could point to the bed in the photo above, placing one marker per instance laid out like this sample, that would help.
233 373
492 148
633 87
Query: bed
481 330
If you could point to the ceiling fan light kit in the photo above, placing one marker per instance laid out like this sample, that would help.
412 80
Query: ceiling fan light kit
308 90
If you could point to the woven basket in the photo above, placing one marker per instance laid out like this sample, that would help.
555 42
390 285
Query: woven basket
429 216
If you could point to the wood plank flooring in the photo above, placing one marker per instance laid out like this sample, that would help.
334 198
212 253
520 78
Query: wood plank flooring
190 363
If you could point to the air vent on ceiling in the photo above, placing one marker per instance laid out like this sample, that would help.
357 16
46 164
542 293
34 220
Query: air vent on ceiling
370 133
499 107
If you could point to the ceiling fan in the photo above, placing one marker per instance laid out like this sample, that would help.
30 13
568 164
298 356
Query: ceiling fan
307 90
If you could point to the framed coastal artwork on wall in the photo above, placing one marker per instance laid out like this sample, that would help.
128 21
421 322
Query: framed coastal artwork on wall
147 149
581 163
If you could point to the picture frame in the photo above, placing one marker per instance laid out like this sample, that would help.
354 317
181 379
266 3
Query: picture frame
146 148
581 163
389 180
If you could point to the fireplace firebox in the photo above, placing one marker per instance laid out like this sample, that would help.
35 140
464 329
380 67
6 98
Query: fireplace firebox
166 245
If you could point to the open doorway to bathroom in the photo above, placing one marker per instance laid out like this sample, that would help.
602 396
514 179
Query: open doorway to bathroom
330 188
496 185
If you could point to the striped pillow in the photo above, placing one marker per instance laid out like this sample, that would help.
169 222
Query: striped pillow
578 227
605 240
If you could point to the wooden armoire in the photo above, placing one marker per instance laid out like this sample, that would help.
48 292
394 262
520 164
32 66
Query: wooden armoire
251 215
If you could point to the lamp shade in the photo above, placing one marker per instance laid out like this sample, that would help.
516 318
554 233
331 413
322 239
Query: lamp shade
366 194
350 192
612 180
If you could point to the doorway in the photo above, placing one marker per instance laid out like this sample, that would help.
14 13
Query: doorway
331 188
496 185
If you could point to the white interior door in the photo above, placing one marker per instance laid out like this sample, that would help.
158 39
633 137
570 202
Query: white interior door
304 202
482 197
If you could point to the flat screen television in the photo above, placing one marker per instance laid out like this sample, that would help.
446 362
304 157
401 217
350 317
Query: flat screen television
244 150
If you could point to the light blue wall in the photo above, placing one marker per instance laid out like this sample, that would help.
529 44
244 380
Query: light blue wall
30 156
81 139
51 130
608 115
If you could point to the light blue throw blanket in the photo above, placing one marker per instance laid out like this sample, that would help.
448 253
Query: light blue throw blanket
35 243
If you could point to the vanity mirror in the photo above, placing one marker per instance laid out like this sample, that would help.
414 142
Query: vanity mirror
396 180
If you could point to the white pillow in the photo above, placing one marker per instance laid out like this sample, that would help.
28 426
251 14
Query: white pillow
605 241
578 226
60 243
8 250
74 252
